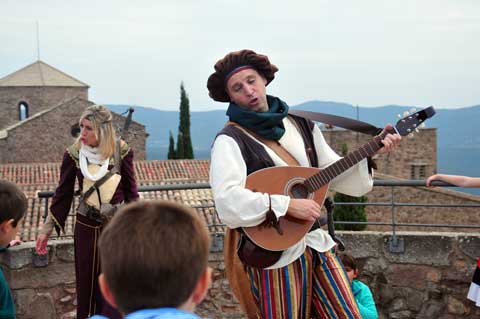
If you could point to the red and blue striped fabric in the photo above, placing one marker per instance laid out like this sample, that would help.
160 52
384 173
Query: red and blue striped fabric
313 286
474 291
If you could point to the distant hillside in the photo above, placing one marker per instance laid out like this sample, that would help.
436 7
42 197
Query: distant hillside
204 126
458 145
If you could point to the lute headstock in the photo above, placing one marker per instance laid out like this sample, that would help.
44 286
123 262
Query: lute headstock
411 122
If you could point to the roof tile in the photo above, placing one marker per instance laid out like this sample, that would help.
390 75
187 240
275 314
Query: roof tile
44 177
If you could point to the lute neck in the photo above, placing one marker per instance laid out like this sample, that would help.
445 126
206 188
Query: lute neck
324 177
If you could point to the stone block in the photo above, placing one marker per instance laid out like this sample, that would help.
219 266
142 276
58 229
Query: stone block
361 244
374 266
42 306
66 299
398 304
40 261
404 314
23 298
407 275
456 306
415 299
65 251
421 249
69 315
431 309
469 245
53 275
70 290
15 258
462 272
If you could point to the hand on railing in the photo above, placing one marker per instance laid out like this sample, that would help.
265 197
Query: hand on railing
41 246
14 242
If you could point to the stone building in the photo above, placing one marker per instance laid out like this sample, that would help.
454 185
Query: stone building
415 158
39 106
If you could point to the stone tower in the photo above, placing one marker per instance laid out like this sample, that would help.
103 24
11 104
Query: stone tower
35 88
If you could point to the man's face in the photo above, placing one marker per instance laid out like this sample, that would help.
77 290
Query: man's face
246 88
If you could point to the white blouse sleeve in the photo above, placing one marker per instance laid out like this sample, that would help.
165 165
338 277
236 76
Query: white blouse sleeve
236 205
355 181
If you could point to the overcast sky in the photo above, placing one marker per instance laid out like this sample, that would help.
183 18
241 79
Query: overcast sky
367 53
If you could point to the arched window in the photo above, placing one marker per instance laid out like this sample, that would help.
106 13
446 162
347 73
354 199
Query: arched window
22 111
75 130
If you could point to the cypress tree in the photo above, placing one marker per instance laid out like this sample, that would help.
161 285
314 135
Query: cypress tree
180 154
171 147
184 141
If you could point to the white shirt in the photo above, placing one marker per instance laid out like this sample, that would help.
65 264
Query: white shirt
240 207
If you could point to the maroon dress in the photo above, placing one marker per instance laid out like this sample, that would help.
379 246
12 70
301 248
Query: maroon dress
87 231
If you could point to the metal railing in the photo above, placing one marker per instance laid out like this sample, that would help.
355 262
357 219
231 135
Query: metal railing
396 244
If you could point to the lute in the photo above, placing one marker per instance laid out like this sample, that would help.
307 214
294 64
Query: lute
311 183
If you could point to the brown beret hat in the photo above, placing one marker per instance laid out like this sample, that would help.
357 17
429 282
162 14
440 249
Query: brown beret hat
216 81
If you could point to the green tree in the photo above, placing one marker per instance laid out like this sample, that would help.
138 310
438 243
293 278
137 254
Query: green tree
354 213
179 153
171 147
184 141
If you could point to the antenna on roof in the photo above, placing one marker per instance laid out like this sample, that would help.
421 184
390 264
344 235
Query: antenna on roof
38 42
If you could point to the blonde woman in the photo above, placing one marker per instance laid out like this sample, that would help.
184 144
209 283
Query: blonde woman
98 161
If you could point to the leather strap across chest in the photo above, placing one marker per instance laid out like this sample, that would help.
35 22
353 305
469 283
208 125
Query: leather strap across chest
273 145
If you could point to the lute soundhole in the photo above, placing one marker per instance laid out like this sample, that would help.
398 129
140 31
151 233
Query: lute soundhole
297 189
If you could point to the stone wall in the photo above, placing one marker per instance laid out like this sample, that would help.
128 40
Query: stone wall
136 136
429 279
37 98
43 138
417 149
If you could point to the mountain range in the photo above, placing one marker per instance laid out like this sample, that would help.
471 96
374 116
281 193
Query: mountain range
458 145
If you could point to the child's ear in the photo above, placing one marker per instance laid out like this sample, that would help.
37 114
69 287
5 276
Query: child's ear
202 287
106 292
355 273
6 225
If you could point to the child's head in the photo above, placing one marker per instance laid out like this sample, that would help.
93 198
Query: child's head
154 254
13 206
350 265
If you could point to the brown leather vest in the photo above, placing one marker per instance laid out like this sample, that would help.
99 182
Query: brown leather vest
256 158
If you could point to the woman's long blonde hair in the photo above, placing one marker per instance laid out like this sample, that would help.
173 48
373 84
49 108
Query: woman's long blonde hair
101 119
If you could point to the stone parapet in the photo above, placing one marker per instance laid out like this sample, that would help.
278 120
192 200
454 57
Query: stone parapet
428 278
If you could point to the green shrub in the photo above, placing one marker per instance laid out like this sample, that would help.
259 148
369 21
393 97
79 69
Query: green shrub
349 213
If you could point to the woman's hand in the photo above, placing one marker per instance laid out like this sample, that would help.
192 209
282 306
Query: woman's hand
305 209
41 246
432 178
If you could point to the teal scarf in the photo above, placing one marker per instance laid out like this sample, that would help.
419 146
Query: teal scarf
268 124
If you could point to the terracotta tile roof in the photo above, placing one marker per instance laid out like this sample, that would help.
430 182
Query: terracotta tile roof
40 73
171 170
44 177
31 174
200 199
